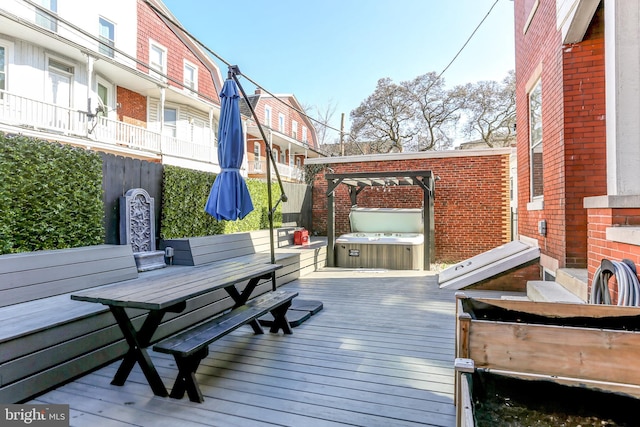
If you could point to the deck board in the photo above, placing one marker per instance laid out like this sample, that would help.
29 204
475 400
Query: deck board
380 353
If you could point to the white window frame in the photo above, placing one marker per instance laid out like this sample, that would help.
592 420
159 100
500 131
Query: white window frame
171 131
536 141
8 60
111 92
304 134
156 70
267 115
294 129
47 11
257 162
111 42
281 122
193 87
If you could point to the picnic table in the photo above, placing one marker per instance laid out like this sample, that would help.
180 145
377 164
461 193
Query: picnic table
168 293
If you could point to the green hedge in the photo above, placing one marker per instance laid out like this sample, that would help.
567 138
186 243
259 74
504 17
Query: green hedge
185 194
50 196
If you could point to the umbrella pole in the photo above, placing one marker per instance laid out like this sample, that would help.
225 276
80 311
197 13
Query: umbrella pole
234 71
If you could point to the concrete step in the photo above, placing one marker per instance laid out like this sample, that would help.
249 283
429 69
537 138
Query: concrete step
575 280
539 290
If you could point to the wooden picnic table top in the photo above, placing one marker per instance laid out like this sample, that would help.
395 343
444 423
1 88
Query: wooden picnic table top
158 292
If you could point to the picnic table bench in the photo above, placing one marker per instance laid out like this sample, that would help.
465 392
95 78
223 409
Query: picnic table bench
46 338
169 293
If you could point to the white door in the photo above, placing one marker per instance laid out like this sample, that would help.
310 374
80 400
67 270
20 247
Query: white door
58 89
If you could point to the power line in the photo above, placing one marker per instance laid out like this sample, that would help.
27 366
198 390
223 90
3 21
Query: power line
468 40
227 63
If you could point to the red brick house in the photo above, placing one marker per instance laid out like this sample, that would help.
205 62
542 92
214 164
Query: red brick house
291 134
578 148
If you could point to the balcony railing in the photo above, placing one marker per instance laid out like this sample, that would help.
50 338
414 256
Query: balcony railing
286 171
47 117
29 113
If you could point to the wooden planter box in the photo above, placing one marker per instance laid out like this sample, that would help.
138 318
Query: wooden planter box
594 346
487 399
589 346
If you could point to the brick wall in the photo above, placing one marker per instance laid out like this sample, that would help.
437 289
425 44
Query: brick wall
584 134
600 248
133 107
573 129
471 206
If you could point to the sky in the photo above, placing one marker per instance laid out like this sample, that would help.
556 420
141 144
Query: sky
331 53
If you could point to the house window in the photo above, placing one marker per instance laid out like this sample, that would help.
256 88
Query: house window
46 14
281 123
190 76
170 122
294 129
157 60
535 141
267 116
276 155
257 164
106 34
298 162
3 69
304 134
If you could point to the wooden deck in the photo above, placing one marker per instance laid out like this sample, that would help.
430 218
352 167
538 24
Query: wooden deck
380 353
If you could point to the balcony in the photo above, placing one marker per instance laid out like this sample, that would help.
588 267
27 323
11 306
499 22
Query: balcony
287 172
51 121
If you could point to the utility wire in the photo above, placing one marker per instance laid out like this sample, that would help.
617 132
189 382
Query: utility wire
227 63
468 40
221 59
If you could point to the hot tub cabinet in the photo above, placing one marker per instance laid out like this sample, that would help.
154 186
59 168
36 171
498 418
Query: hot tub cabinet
593 346
382 238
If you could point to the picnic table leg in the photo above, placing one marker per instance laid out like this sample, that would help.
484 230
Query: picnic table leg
186 379
137 341
280 319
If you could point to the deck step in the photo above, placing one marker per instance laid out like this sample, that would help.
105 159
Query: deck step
539 290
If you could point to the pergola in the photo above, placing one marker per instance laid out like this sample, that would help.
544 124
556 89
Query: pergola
358 181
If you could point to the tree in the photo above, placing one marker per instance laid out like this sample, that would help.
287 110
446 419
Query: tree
321 123
385 121
436 110
491 111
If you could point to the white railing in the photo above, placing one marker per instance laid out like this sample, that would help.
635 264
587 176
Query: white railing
122 134
285 171
29 113
25 112
21 111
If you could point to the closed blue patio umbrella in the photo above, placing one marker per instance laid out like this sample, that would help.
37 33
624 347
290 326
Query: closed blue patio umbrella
229 196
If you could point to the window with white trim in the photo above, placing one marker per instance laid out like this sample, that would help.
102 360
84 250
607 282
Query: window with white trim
3 69
535 141
294 129
46 14
190 76
304 134
267 115
106 34
257 164
281 123
170 122
157 60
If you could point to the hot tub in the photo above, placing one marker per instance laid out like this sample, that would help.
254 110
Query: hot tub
382 238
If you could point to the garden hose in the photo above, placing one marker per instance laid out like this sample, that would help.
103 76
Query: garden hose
626 277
